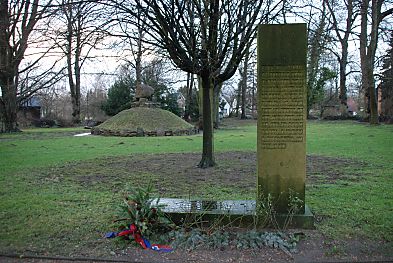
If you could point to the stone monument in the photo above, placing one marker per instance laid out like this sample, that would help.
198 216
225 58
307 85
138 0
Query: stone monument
142 94
282 107
281 136
143 91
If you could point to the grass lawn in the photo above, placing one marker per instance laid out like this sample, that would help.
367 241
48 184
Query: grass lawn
48 208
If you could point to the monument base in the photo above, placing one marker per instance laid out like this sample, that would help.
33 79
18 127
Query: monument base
144 103
237 213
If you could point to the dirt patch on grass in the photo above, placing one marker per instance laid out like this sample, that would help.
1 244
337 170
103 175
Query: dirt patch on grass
322 169
50 134
176 174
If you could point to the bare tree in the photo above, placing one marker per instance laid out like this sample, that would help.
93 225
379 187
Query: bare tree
18 21
238 99
243 83
317 39
188 96
190 76
342 30
94 98
387 84
211 48
131 30
368 48
78 31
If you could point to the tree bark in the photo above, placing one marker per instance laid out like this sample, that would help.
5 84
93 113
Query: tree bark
317 43
216 105
343 79
138 59
367 54
238 98
253 105
70 30
77 71
208 159
200 103
73 66
343 37
16 25
243 104
190 85
9 105
244 85
344 56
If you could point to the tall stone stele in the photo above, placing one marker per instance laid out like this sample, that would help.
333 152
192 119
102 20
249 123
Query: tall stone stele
282 106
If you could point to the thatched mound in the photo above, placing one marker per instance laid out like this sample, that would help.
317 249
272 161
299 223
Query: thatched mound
143 121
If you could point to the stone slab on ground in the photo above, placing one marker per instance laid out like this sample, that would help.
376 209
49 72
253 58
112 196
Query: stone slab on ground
234 212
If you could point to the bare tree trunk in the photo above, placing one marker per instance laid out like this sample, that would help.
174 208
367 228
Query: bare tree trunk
140 19
343 79
75 96
74 89
77 71
244 84
243 115
200 103
190 76
17 20
344 55
238 98
367 53
138 59
208 149
9 106
317 42
216 105
8 101
190 85
343 37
